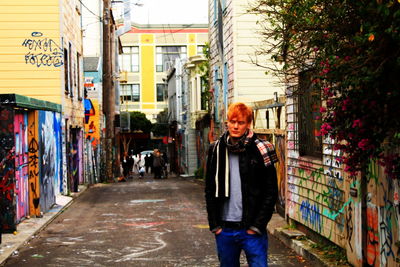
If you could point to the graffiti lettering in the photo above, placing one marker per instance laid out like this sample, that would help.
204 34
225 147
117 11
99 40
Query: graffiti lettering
42 52
385 229
311 214
33 178
40 59
349 225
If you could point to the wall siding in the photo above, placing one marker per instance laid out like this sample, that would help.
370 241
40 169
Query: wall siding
30 47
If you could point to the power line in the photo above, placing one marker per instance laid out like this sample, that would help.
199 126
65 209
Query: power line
90 10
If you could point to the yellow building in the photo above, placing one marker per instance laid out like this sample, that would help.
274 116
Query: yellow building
149 51
41 58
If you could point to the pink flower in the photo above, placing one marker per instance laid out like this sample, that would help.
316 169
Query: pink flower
327 91
364 144
325 71
347 58
322 109
325 128
357 123
346 102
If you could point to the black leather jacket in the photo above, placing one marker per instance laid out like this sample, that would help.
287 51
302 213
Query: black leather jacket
259 189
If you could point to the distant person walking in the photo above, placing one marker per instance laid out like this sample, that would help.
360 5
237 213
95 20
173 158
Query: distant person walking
166 164
158 164
125 166
140 165
148 162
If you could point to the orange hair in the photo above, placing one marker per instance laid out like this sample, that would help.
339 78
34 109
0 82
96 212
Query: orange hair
236 109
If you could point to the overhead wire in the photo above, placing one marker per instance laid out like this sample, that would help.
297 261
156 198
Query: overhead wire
88 9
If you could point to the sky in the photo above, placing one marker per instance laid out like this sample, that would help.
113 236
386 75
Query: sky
169 11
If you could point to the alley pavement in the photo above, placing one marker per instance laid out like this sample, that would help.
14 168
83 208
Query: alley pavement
141 222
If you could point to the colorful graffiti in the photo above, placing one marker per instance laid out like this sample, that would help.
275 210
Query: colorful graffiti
92 121
58 157
21 165
33 150
74 159
7 170
311 214
386 214
48 162
372 252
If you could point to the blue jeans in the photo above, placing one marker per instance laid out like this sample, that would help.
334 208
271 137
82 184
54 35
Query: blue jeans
230 243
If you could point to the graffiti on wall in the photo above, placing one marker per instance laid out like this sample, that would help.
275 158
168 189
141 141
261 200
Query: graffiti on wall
43 51
48 151
33 162
92 121
74 159
386 214
58 175
21 165
7 170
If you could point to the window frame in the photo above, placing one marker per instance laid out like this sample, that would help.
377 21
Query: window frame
127 93
309 117
129 54
161 54
162 90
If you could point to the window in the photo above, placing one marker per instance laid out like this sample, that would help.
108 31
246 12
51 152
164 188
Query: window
161 92
130 59
66 71
78 75
130 92
200 49
204 94
70 72
166 56
220 30
309 102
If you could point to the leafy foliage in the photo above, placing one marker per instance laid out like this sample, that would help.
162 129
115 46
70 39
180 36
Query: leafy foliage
139 122
204 70
352 49
160 128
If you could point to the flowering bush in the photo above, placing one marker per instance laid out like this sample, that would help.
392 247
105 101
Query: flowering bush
352 49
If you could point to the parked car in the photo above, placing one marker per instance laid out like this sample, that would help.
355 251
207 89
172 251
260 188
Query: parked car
145 152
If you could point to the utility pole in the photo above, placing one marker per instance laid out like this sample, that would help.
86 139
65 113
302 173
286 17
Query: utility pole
108 91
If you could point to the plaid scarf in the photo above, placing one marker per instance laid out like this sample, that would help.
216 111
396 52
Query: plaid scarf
221 148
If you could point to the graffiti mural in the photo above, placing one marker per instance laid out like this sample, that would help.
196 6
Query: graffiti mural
372 252
7 170
74 160
48 166
92 137
42 51
33 162
58 182
21 165
315 187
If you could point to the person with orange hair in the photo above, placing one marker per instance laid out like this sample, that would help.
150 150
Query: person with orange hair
241 190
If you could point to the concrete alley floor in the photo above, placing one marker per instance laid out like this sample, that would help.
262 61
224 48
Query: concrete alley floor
143 222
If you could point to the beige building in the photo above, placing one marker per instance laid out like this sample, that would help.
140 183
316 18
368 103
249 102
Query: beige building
234 40
148 52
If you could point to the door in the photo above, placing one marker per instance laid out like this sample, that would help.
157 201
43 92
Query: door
21 165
